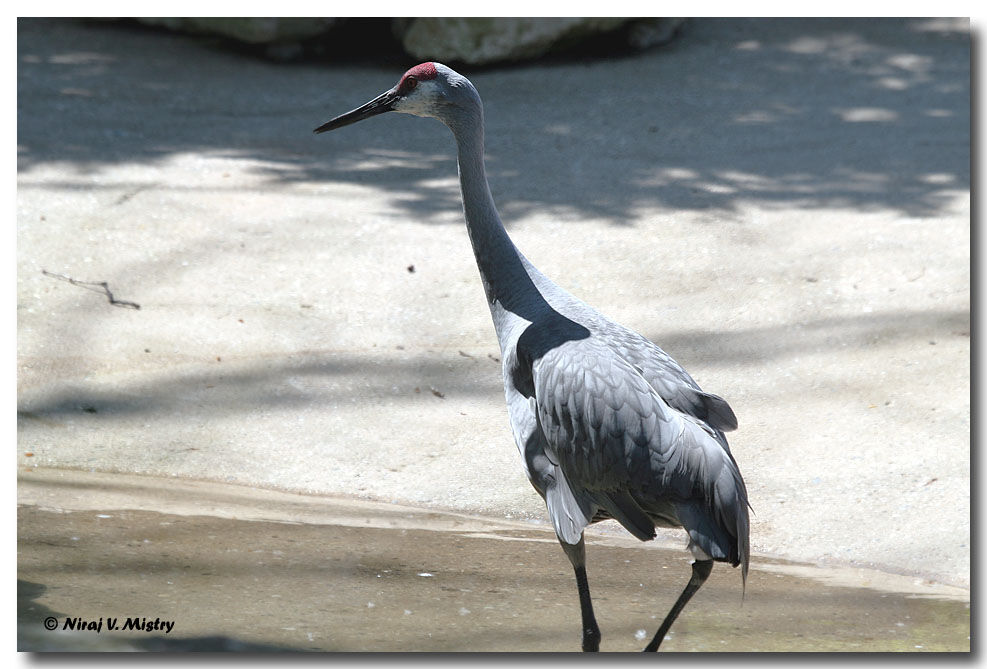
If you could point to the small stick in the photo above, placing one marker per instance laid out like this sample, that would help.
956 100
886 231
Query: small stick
95 286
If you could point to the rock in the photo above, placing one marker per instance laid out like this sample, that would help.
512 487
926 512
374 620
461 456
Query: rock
478 41
249 30
472 41
281 36
645 33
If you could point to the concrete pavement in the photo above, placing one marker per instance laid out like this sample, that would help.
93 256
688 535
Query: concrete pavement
783 206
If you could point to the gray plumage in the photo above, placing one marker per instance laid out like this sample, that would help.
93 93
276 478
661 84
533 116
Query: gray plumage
608 425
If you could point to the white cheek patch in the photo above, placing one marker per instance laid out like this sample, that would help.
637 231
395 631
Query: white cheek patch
421 101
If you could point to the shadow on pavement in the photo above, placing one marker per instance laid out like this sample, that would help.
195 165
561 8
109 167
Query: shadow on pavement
810 113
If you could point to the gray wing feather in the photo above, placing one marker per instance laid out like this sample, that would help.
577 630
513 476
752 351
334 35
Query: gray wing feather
622 450
623 508
679 390
672 382
569 514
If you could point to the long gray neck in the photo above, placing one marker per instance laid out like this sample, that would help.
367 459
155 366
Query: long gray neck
506 274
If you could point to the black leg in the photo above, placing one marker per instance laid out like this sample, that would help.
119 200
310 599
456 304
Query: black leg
700 572
591 631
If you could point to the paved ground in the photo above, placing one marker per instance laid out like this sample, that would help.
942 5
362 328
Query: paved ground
783 206
228 567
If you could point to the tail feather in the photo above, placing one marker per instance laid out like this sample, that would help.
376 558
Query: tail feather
721 528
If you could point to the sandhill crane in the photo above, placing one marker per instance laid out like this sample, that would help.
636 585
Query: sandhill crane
608 425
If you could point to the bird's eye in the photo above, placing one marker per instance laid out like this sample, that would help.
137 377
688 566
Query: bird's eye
410 83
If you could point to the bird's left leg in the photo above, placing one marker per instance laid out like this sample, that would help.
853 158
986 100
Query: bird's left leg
700 572
591 631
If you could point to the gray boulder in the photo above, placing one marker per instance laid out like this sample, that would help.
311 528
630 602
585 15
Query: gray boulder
472 41
249 30
479 41
281 38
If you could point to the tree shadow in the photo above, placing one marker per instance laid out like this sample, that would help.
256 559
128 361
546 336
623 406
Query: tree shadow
326 378
760 345
807 113
856 115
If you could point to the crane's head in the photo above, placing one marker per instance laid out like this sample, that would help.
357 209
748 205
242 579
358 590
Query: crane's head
428 89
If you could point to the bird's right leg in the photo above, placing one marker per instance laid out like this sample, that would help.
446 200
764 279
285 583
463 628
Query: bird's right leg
591 631
700 572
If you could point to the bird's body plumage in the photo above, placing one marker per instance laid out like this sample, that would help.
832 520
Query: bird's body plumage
620 428
608 425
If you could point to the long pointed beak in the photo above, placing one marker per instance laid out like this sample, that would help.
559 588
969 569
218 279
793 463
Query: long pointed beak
380 104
